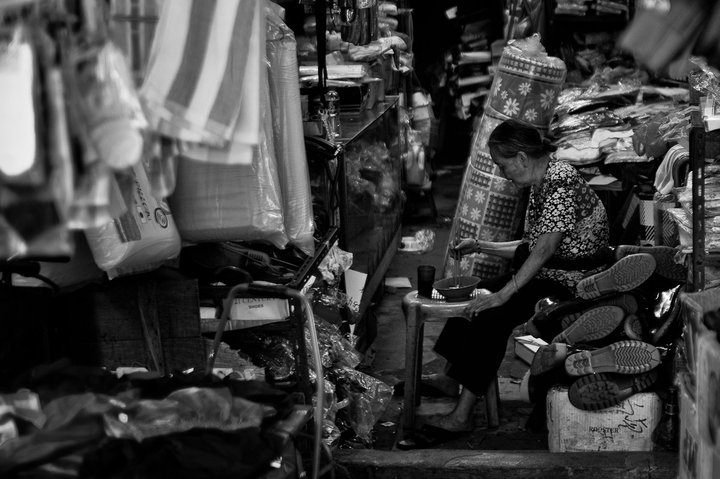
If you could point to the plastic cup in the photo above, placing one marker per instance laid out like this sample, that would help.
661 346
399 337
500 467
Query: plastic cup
425 280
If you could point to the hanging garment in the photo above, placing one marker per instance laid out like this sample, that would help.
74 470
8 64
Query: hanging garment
198 85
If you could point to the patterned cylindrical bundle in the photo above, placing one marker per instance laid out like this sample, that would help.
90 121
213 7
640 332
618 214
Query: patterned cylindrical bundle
527 88
489 207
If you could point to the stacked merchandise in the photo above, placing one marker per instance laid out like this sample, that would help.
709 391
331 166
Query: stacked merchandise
468 65
592 7
699 388
526 88
683 218
365 53
80 155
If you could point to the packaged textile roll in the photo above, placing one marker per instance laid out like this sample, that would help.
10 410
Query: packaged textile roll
215 202
139 240
231 201
527 83
288 133
525 88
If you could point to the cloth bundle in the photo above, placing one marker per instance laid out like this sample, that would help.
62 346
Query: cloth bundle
490 207
243 174
201 85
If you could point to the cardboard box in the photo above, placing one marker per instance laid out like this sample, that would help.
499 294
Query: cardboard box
625 427
694 307
133 321
527 346
708 389
689 438
246 313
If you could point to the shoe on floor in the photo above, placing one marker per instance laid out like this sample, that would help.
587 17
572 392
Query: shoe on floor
626 301
595 323
600 391
664 259
548 357
622 357
627 273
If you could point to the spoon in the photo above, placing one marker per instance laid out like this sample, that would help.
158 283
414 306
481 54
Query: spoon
456 271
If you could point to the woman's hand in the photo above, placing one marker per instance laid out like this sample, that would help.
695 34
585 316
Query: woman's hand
481 303
464 247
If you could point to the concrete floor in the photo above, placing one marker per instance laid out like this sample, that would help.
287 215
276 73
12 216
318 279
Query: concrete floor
387 359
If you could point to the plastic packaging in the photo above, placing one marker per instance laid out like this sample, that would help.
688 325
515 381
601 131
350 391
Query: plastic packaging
182 410
334 264
368 398
232 202
422 242
110 107
141 239
335 350
288 132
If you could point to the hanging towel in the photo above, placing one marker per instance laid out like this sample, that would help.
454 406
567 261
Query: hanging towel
198 79
240 149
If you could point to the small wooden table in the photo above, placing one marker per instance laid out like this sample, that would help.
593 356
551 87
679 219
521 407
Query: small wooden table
419 310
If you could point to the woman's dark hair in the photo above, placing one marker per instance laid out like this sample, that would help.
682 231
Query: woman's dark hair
512 136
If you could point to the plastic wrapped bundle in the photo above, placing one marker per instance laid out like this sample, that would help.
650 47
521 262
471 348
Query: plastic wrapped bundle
141 239
288 132
216 201
525 88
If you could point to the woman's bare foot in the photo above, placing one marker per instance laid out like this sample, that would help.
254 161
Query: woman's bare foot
443 383
450 422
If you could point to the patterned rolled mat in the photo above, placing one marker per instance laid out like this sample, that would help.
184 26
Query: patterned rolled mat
490 207
527 88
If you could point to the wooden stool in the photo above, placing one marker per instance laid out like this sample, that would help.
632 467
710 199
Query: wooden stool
419 310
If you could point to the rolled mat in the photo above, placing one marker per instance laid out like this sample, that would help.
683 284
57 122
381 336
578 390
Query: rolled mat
525 88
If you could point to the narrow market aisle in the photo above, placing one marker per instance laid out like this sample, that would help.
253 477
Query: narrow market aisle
386 354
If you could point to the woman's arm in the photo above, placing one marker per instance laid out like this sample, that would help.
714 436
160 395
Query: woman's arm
503 249
546 246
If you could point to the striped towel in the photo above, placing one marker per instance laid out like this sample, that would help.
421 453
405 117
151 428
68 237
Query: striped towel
132 29
200 82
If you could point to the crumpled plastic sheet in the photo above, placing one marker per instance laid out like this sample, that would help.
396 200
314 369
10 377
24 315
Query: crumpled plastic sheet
182 410
367 399
334 264
425 239
706 80
331 297
275 353
335 350
331 432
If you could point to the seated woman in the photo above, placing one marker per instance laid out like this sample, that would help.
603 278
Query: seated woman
565 223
